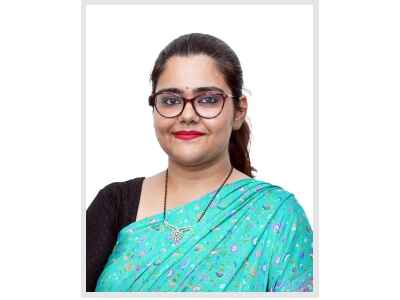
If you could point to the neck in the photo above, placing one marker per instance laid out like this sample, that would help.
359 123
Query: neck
197 178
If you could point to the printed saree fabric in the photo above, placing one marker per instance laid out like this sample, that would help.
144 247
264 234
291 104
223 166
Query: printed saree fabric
254 237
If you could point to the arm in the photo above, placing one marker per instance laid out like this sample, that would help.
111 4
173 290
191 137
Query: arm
101 234
291 265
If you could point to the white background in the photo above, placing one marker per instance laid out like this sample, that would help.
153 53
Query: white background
275 46
40 151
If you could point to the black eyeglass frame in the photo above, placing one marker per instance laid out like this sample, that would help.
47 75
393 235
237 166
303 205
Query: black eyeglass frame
153 96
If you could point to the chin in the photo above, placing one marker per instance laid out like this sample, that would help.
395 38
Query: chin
188 159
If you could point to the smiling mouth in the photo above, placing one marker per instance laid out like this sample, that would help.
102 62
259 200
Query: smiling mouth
189 136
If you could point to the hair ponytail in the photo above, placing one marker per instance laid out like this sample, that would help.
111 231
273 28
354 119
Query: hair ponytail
239 150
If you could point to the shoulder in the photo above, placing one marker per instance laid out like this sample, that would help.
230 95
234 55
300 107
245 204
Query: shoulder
273 192
116 186
278 200
287 216
116 191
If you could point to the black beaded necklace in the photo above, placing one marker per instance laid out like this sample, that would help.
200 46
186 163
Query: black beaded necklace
177 232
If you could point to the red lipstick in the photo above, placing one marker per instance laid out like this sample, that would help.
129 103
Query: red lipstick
187 135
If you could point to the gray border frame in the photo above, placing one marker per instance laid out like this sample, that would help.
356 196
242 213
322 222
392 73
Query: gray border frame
315 293
230 2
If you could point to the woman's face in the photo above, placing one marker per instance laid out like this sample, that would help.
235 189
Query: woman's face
185 74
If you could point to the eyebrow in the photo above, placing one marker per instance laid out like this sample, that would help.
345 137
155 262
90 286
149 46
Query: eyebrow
195 90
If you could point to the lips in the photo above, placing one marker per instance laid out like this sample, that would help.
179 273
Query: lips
187 135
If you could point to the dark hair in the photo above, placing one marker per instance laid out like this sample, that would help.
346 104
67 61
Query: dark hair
228 64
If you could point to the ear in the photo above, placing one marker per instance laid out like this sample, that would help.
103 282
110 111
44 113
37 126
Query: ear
240 114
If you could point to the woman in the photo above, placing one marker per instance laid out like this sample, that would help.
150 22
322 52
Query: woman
205 223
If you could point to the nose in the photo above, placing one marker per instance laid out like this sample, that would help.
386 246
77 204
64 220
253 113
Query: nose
189 114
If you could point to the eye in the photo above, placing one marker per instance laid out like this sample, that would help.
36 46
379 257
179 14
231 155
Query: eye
209 99
169 100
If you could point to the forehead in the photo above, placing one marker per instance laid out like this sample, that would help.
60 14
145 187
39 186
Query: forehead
196 73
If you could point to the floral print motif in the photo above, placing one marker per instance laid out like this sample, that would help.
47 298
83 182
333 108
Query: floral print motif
256 237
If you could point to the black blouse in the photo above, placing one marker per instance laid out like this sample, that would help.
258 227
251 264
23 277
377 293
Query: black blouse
114 207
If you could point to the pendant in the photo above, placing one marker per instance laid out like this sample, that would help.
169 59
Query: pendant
177 233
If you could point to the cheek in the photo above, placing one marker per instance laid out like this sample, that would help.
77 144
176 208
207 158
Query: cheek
162 128
221 131
225 123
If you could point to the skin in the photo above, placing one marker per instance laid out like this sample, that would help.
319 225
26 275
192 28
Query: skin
200 165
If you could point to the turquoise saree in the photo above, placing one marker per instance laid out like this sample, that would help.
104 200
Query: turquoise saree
255 237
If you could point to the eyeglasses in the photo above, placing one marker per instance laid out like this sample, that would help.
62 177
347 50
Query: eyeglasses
207 105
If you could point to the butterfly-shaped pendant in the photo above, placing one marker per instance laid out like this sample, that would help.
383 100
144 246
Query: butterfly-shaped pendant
177 233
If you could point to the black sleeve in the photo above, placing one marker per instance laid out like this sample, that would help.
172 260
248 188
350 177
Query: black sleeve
101 233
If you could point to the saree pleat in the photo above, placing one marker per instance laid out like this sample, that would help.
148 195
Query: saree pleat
235 247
